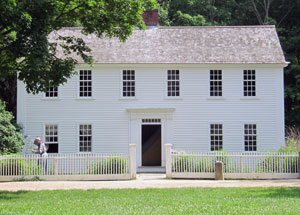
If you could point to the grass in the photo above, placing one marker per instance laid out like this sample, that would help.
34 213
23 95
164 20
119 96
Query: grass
154 201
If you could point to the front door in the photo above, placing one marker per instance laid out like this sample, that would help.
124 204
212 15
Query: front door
151 145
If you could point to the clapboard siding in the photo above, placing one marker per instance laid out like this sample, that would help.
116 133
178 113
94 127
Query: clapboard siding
194 111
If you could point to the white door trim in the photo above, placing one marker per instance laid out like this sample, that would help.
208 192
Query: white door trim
135 131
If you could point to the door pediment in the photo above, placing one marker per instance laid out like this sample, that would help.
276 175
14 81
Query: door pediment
150 109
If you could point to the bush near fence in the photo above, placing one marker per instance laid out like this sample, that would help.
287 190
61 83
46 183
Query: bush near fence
276 162
109 165
73 164
191 163
194 162
14 165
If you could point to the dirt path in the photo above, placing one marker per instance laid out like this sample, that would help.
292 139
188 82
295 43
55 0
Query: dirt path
143 181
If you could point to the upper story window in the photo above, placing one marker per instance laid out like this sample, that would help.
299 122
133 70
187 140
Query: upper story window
85 83
250 137
173 83
215 83
51 138
249 83
52 92
128 83
216 137
85 137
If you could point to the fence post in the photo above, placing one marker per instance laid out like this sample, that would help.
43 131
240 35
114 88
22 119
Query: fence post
55 166
168 160
299 164
132 157
219 174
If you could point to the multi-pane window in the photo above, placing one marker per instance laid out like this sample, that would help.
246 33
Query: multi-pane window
249 83
216 137
51 138
85 138
85 83
215 82
52 92
173 83
250 137
128 83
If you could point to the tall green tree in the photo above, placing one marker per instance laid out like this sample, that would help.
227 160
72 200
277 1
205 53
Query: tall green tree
26 24
195 12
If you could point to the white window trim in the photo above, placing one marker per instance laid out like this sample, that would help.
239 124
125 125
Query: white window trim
129 98
78 137
222 80
209 136
257 135
58 132
216 98
256 97
166 97
78 86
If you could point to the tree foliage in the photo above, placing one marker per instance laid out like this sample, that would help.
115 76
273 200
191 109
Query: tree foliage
26 24
11 139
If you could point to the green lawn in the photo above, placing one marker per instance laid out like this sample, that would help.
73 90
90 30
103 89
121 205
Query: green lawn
154 201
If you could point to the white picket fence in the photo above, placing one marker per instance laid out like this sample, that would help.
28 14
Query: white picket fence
237 165
114 166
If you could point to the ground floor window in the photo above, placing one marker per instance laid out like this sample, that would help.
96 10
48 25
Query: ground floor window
250 137
216 137
51 138
85 138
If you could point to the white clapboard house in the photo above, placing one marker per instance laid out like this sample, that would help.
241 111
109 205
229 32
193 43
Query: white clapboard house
198 88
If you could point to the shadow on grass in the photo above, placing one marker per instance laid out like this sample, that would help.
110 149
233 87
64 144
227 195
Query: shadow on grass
277 193
6 195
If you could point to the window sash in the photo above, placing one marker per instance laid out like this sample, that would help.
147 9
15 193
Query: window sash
51 134
85 83
215 83
250 137
51 92
216 137
249 83
173 83
85 137
128 88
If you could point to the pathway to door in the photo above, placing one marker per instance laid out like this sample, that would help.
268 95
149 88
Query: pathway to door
143 181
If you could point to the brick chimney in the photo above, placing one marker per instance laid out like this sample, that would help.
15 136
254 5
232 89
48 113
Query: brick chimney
151 18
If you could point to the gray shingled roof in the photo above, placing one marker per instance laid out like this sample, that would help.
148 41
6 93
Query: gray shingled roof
187 45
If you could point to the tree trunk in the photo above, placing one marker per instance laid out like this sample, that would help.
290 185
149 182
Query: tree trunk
8 93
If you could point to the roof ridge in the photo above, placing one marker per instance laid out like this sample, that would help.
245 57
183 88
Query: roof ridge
227 26
182 27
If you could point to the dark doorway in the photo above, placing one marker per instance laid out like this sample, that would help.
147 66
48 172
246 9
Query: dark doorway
151 145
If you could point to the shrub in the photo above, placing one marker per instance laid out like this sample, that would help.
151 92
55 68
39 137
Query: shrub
191 163
278 164
283 164
109 165
290 146
11 139
14 166
292 139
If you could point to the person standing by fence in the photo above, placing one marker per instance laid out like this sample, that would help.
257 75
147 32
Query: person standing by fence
42 151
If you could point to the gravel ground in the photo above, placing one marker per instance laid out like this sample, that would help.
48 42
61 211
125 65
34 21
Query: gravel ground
143 181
